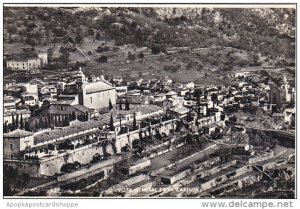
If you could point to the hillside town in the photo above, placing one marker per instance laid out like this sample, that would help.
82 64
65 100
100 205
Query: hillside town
78 130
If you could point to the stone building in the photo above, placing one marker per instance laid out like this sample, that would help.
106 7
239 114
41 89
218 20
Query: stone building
15 142
45 152
95 94
25 64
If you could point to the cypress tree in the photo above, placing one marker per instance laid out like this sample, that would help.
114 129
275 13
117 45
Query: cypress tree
52 121
13 125
110 106
111 123
46 125
127 105
49 120
73 115
17 121
198 99
134 122
21 122
5 130
82 117
41 122
68 119
86 116
36 124
59 120
27 126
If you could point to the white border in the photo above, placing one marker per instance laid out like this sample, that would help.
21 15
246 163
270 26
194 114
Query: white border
134 203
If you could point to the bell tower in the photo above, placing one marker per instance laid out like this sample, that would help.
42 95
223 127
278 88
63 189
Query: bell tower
81 80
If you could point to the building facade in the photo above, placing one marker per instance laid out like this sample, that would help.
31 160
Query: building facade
27 64
94 95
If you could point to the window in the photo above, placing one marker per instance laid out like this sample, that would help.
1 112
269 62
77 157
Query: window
11 156
91 99
11 146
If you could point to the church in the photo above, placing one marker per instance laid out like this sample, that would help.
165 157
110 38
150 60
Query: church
95 94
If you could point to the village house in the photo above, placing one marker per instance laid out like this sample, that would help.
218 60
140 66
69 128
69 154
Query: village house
25 64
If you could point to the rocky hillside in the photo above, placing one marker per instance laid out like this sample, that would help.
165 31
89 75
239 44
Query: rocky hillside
270 32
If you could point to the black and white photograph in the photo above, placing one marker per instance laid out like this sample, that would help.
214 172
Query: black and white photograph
149 101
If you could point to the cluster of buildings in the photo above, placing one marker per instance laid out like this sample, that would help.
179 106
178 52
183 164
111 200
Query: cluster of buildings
77 119
28 62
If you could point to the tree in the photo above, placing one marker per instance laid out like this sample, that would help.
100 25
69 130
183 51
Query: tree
110 106
134 122
233 119
155 50
64 54
12 29
36 124
27 126
59 32
131 56
90 31
111 123
189 116
99 49
17 122
73 115
79 39
7 190
127 105
214 98
79 31
59 120
98 36
13 125
21 122
66 120
141 55
86 116
55 121
5 129
49 122
102 59
25 178
71 40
